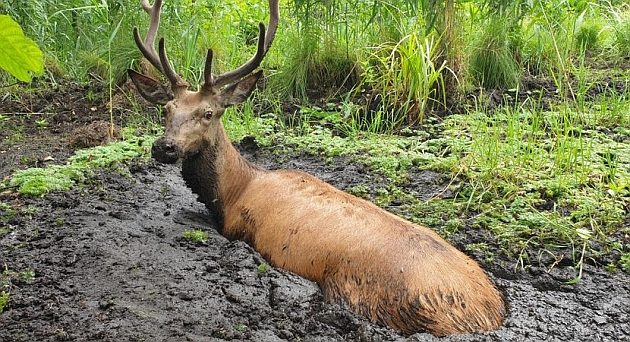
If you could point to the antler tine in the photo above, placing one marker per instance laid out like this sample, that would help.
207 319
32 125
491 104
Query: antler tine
147 47
208 79
264 42
176 80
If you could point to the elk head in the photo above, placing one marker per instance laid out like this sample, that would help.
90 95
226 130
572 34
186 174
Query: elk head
193 118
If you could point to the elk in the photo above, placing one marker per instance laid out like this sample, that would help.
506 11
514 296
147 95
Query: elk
383 267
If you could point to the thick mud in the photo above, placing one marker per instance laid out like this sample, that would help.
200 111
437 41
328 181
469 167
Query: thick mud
110 264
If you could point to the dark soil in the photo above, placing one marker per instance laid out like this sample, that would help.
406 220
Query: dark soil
110 263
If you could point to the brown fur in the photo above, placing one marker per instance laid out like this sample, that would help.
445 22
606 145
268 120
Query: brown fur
388 269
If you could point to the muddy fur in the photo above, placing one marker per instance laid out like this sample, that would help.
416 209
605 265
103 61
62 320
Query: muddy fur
200 176
392 271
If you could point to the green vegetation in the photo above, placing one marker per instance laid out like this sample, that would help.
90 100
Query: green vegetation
40 181
4 300
492 62
7 277
262 268
19 55
196 235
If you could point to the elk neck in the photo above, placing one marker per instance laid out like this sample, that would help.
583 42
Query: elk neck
218 174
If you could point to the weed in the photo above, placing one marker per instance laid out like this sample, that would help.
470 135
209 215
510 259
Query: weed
625 262
587 35
4 300
7 213
16 136
621 27
41 123
196 235
360 190
4 119
26 275
262 268
407 81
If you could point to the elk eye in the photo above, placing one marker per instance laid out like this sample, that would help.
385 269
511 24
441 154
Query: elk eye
208 115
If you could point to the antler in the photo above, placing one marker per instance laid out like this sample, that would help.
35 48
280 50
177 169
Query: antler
158 60
265 38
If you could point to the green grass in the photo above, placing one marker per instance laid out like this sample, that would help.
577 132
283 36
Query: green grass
80 166
196 235
492 62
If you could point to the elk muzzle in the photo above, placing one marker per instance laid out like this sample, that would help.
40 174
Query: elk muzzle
165 151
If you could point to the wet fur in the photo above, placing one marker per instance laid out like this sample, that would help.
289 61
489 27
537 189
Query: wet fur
385 268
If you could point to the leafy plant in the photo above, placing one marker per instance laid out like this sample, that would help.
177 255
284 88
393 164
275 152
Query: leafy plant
19 55
262 268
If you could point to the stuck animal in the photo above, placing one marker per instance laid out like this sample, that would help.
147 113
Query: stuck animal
385 268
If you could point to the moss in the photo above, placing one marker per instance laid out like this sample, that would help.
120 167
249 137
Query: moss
40 181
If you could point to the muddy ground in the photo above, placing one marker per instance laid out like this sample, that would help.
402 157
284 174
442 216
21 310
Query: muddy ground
109 263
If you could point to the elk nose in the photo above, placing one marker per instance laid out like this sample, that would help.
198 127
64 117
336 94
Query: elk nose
165 151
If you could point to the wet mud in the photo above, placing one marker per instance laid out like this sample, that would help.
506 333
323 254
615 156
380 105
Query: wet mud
110 263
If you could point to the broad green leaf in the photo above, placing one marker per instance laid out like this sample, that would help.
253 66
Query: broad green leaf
19 55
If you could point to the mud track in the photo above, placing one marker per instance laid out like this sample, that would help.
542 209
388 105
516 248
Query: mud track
111 264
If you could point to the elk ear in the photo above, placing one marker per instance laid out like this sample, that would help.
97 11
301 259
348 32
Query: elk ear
240 91
152 90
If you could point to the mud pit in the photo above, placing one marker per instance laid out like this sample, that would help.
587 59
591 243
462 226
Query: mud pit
111 264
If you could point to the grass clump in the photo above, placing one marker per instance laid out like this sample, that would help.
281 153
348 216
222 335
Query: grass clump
625 262
196 235
587 35
40 181
622 35
492 63
407 81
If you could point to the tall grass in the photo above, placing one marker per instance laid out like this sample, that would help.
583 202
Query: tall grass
405 79
492 62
